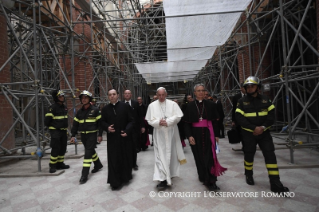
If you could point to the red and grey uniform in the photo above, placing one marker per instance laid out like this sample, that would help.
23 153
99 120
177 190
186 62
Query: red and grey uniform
57 121
87 121
250 113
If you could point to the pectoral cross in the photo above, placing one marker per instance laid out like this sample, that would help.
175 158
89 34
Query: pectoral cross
201 119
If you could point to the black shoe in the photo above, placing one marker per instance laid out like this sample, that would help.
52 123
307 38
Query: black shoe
135 167
250 180
162 184
62 166
116 188
213 187
83 179
96 169
52 169
278 187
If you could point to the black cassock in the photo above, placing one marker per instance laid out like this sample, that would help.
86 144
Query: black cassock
118 147
202 150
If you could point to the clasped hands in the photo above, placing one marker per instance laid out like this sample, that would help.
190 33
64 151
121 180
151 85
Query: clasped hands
163 122
258 130
112 130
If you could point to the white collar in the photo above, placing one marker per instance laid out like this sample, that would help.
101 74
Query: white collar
115 102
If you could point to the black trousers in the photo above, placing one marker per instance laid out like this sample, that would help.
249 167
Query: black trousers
221 127
89 142
266 144
58 146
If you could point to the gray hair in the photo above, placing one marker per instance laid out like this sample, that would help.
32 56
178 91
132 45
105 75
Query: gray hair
161 88
199 84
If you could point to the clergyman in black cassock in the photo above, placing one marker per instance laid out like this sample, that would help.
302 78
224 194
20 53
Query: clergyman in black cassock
201 129
117 119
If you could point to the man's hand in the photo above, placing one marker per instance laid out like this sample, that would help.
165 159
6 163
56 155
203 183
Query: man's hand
217 139
163 122
123 134
99 139
72 141
111 128
142 130
258 131
191 140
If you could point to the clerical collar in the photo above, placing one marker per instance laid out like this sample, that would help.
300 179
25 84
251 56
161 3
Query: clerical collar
200 101
115 103
129 101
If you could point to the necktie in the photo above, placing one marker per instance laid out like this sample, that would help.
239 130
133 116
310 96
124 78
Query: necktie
127 102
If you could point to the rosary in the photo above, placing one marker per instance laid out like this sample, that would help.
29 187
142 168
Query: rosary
201 114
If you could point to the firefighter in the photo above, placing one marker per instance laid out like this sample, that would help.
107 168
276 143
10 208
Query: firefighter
86 121
255 114
57 122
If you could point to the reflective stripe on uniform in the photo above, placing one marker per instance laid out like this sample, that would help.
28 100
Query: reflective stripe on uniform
95 157
98 117
271 107
240 111
78 120
248 163
49 114
89 120
249 130
86 132
273 172
249 167
60 117
271 166
53 128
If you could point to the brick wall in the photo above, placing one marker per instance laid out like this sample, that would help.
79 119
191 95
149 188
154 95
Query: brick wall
6 112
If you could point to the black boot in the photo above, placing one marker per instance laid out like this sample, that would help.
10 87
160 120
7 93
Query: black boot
162 184
213 187
278 187
61 165
52 168
97 168
83 179
250 180
85 174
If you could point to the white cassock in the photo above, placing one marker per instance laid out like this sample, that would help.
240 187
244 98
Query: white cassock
167 143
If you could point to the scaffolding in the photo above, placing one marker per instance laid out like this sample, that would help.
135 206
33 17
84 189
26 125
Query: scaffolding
50 39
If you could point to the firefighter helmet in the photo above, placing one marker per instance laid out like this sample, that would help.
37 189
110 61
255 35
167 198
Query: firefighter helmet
86 93
252 80
56 93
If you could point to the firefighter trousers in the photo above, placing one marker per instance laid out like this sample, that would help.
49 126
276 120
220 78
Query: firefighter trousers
265 143
90 155
58 147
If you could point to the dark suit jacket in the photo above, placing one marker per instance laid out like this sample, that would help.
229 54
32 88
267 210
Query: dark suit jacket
235 101
220 110
136 112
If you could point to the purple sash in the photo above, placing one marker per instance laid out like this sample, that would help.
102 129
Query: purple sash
216 169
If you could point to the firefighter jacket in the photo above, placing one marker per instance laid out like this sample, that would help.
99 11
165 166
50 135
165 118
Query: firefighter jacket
57 117
255 111
87 121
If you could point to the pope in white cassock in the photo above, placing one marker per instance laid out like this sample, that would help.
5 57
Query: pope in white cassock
163 115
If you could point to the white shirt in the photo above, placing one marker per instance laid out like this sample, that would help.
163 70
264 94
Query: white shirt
129 101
